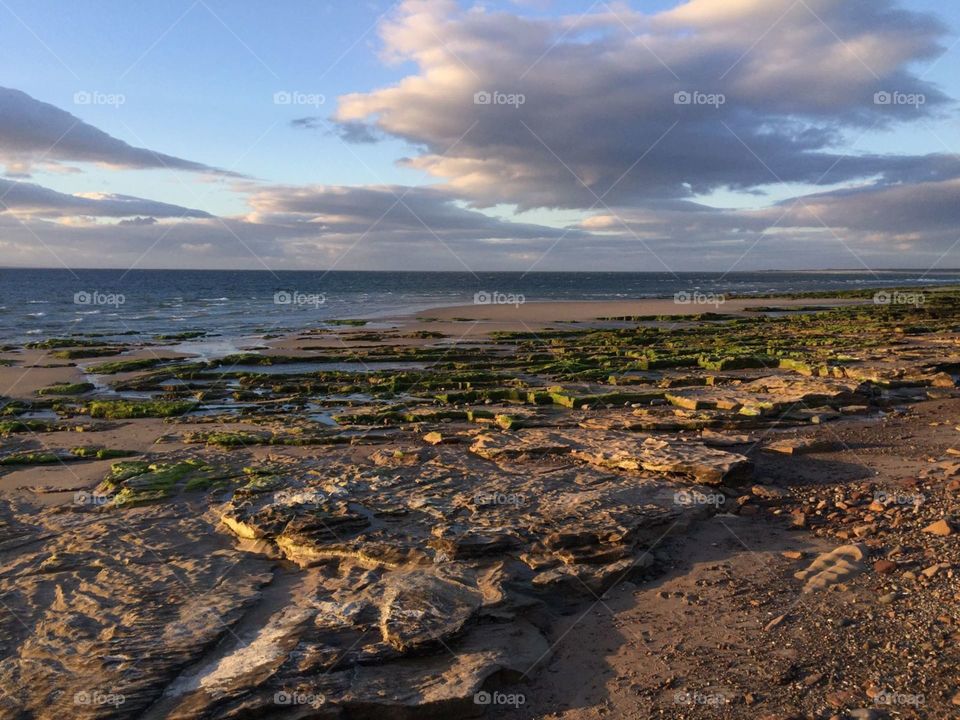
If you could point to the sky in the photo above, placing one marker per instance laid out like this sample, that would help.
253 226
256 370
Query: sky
723 135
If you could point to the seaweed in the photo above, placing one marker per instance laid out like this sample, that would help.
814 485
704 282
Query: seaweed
126 409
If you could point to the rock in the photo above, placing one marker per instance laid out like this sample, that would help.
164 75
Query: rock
942 528
774 623
619 451
802 445
934 569
838 565
798 519
884 567
716 439
792 554
867 714
685 459
422 607
770 492
434 438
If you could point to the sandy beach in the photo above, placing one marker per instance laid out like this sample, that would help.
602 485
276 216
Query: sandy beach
677 506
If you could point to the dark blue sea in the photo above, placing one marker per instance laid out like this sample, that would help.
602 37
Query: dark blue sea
38 304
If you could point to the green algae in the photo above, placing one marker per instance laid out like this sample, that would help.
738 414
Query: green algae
66 389
126 409
119 366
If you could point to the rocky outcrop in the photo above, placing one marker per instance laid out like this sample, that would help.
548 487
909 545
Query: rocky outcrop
678 459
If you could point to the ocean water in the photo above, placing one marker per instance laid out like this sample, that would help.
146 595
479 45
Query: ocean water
36 304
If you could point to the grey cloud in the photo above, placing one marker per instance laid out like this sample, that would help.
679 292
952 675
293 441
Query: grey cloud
402 211
33 132
600 113
38 201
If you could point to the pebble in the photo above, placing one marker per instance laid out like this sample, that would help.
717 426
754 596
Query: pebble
884 567
940 527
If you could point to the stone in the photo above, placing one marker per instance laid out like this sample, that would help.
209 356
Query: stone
941 527
798 446
422 607
838 565
934 569
884 567
770 492
774 623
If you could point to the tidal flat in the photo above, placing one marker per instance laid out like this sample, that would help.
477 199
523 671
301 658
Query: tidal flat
563 510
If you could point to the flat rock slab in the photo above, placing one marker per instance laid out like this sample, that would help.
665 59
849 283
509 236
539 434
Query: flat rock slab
771 395
424 607
621 451
800 446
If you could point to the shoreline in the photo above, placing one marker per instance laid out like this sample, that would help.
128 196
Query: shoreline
644 502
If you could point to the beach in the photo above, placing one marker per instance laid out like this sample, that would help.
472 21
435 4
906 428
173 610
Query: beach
629 508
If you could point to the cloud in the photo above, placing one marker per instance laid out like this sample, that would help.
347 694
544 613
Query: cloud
290 227
629 107
34 132
399 210
22 198
904 225
352 132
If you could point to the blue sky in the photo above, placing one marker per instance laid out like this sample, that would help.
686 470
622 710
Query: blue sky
198 81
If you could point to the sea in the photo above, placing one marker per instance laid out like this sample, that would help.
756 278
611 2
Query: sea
142 304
